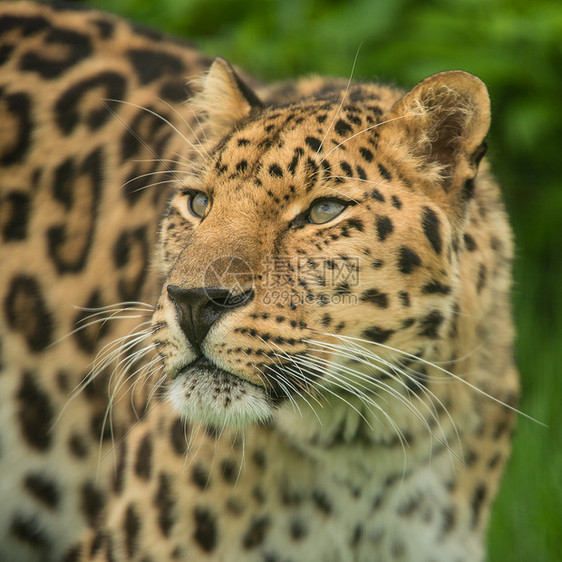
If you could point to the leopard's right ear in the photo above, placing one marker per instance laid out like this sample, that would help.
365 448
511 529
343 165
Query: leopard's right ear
225 99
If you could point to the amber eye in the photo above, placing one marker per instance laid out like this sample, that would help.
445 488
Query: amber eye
325 210
198 204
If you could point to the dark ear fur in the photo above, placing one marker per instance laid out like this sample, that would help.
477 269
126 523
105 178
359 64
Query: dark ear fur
224 98
442 123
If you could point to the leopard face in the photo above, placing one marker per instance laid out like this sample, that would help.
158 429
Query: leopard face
314 251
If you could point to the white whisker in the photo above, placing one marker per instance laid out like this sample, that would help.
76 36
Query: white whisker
167 121
344 97
365 130
445 371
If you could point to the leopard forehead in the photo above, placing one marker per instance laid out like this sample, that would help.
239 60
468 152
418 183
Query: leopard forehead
297 150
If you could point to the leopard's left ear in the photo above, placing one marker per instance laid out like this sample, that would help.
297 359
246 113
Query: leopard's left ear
225 98
442 122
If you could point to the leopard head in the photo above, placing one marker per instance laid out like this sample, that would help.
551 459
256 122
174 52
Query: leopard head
309 254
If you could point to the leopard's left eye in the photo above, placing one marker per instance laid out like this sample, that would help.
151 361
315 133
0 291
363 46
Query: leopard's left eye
198 204
325 210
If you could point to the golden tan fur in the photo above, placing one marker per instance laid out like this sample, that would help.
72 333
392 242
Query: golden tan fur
364 416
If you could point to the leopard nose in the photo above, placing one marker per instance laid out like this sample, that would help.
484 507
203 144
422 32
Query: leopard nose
198 309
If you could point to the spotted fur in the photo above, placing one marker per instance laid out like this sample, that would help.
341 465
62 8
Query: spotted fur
281 386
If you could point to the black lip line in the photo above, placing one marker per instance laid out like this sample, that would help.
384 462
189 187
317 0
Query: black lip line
204 358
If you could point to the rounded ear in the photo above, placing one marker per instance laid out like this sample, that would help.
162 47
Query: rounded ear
442 122
225 98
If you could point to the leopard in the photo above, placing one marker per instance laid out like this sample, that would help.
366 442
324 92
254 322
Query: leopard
243 321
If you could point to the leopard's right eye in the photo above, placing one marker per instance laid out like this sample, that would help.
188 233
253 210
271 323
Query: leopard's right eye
198 204
325 210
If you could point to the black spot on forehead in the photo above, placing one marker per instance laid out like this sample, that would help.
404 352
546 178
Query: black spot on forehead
357 94
311 173
377 195
366 154
384 172
361 174
342 128
298 153
314 143
346 169
275 171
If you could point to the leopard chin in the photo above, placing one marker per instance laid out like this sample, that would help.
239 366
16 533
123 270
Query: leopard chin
205 393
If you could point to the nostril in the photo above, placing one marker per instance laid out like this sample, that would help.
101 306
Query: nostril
229 299
198 309
173 293
208 296
177 295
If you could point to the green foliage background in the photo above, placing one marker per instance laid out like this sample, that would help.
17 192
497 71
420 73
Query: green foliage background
515 46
